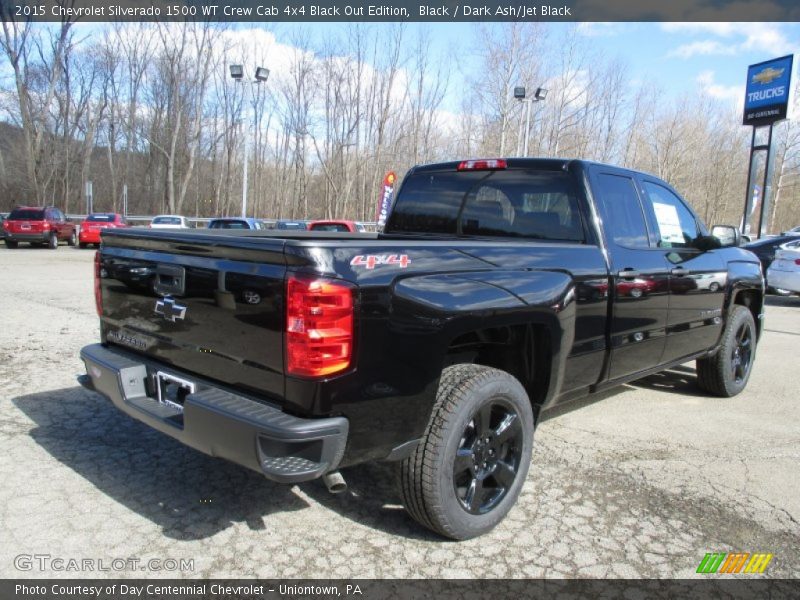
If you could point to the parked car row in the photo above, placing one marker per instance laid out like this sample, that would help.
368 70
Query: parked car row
340 225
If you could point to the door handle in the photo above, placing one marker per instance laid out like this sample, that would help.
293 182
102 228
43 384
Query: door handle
628 273
679 272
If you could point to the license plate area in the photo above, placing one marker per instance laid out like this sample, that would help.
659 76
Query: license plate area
171 391
25 226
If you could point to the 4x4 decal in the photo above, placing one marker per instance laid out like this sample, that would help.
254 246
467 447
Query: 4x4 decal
371 261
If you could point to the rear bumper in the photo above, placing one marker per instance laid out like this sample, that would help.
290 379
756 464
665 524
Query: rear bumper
89 237
28 237
283 447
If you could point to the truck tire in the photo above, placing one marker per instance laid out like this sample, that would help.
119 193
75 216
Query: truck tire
470 465
53 241
726 373
11 244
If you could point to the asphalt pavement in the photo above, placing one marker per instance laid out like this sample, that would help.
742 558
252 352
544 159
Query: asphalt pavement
642 482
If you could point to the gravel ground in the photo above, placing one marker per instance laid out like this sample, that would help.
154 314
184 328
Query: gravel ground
641 484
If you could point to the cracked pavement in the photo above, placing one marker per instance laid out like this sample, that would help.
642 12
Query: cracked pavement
641 483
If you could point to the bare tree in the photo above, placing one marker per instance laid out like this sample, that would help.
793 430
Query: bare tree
36 57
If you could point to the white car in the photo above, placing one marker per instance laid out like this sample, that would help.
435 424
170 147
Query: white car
169 222
784 273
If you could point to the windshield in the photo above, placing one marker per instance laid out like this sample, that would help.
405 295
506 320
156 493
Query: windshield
525 203
26 214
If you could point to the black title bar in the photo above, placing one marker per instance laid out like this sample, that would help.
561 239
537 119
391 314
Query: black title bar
398 10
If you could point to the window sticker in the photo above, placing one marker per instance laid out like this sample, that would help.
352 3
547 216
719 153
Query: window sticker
669 224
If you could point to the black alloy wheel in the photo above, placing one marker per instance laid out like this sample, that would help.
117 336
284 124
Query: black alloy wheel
726 372
488 457
742 353
468 469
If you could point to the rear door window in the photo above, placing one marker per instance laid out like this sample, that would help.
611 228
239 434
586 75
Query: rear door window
623 218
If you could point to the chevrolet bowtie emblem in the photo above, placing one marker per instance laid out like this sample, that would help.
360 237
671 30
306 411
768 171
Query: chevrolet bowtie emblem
169 310
767 75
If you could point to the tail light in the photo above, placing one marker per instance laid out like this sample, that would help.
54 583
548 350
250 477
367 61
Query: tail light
45 226
489 164
98 294
319 326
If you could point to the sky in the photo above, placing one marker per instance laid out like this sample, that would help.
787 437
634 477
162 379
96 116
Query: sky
682 58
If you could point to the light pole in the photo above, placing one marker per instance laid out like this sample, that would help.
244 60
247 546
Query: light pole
519 94
261 75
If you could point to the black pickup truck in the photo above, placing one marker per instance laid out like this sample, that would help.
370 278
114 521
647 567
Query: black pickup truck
498 290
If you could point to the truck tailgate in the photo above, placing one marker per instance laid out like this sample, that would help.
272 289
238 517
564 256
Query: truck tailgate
202 303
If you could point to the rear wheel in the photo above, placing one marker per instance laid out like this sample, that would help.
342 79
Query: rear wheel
11 244
468 469
53 241
73 239
727 372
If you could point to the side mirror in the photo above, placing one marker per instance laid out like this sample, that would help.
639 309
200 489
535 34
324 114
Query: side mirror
728 235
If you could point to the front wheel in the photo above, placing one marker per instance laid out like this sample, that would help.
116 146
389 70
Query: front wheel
727 372
468 469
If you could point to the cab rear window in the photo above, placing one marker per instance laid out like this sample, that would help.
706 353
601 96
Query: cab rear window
517 203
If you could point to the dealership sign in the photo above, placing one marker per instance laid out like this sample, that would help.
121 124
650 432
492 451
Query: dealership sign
768 91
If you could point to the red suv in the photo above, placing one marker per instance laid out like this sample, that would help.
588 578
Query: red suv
39 226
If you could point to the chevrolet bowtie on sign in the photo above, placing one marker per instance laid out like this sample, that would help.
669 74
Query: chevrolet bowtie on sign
768 75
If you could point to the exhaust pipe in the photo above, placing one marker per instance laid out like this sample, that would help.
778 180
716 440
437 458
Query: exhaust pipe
334 482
